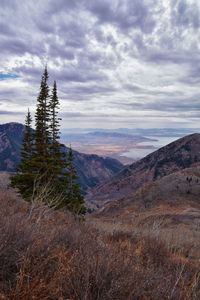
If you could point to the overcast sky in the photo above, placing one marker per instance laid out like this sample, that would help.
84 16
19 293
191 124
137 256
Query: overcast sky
118 63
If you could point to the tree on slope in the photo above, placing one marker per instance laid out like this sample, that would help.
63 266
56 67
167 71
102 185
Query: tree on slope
44 167
28 141
42 131
57 155
24 179
74 195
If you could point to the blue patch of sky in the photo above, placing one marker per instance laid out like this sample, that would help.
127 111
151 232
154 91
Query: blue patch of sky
4 76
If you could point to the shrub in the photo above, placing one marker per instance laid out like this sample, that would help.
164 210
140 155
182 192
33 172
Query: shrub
47 254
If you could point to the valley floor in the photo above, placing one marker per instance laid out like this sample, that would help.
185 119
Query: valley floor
107 150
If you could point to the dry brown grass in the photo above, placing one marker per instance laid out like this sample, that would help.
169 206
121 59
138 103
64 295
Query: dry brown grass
50 255
178 226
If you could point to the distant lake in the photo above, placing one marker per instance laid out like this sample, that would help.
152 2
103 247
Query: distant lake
144 148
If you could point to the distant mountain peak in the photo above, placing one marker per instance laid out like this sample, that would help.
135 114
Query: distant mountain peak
11 126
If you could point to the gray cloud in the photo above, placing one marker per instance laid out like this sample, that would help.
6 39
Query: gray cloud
185 13
117 56
124 14
5 30
11 113
173 105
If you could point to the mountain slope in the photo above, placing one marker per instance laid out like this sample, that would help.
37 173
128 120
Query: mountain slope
91 169
168 209
11 135
177 189
178 155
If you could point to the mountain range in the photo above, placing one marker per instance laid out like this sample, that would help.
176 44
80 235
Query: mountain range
168 174
91 169
181 154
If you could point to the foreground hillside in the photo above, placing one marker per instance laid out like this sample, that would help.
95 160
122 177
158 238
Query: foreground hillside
168 208
177 189
49 255
176 156
91 169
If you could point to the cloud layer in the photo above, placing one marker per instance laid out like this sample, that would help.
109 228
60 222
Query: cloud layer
118 63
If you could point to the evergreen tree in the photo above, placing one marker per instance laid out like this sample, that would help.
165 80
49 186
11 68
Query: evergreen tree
43 162
56 151
42 130
58 158
23 180
74 195
27 146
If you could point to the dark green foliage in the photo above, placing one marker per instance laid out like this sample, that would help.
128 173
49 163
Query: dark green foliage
24 179
57 156
54 126
45 171
66 186
74 196
42 129
27 146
